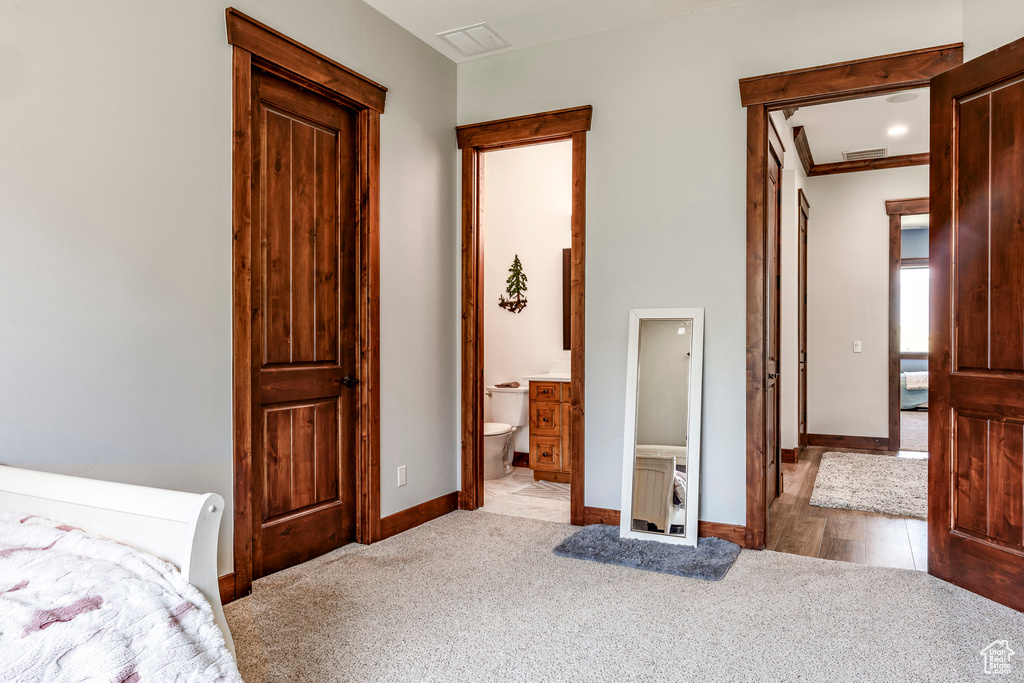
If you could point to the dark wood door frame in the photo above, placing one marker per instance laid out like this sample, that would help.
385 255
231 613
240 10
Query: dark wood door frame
473 140
897 209
803 208
761 94
259 47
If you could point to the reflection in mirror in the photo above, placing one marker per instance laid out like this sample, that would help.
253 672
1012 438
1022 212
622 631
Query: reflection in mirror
662 477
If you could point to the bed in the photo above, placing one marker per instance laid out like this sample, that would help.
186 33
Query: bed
176 527
913 397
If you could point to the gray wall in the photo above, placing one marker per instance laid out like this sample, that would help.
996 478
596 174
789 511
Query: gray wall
848 298
666 191
115 240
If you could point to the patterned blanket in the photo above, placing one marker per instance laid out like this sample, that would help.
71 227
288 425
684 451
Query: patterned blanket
79 607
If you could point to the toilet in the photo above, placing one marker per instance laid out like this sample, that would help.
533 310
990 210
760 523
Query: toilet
508 409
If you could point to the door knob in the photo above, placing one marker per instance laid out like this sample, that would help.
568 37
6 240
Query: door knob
349 381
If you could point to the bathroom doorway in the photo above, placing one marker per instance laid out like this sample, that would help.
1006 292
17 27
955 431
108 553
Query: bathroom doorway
523 204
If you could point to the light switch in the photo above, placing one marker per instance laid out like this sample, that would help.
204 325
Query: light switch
856 347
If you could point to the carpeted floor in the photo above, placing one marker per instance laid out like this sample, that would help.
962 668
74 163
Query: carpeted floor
480 597
914 430
890 484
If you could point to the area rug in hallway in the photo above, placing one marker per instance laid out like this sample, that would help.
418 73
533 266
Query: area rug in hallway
914 430
549 490
710 559
890 484
479 597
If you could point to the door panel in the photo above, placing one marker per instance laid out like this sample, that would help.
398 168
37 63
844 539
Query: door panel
773 472
976 422
304 286
802 217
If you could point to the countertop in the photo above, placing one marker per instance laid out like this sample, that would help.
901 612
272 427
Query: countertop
548 377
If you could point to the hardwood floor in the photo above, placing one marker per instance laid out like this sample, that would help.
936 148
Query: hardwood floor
797 527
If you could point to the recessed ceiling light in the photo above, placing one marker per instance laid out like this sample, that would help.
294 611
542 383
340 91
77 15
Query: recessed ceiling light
901 97
896 131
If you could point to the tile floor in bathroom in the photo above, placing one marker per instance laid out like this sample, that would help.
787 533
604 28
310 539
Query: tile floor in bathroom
500 498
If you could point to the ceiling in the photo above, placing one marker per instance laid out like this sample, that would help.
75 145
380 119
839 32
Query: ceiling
863 124
530 22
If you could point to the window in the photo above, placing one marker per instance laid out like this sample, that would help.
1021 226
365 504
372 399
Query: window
914 309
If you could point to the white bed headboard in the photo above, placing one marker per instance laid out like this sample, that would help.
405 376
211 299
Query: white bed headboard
175 526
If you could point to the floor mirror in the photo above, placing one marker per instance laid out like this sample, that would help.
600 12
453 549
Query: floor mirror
661 459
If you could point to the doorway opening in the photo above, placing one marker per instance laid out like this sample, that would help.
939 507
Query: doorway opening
554 431
908 324
848 496
525 223
786 93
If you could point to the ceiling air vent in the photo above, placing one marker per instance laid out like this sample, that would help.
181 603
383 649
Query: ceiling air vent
474 40
862 154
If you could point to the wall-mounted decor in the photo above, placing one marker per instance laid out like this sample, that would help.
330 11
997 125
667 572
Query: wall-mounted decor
516 287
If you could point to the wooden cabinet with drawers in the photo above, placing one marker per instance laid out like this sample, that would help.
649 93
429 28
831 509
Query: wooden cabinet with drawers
549 430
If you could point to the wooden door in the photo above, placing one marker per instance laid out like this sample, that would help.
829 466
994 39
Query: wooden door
976 361
304 324
803 214
773 472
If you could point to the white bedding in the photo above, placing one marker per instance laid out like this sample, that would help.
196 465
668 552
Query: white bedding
79 607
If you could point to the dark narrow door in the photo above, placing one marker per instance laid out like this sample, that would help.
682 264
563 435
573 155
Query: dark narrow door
773 472
304 355
976 361
803 214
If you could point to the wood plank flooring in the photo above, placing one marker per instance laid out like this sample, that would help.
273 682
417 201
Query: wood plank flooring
797 527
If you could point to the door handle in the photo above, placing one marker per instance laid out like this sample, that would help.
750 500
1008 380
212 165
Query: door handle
773 375
349 381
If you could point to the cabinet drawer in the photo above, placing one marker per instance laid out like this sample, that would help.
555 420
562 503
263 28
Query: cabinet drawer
545 419
545 454
548 392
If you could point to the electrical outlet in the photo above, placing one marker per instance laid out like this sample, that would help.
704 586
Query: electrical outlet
401 475
856 347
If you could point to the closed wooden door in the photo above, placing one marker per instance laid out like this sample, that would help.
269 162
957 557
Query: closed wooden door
773 472
803 215
976 359
305 331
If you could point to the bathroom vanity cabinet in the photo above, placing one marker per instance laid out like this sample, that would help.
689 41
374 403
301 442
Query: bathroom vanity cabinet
549 430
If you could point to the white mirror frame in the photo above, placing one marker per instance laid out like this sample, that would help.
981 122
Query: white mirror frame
692 427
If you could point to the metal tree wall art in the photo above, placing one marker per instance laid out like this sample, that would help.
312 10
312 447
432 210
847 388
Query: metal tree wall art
516 287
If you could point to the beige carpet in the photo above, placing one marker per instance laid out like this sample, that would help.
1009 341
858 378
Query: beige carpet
914 430
480 597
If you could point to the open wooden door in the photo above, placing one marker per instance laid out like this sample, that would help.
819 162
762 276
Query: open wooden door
773 250
976 420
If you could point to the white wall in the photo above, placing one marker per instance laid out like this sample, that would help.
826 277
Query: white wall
115 240
526 209
666 191
989 24
793 180
848 298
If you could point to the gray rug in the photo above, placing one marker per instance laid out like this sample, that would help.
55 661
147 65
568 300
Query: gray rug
480 597
888 484
710 559
914 430
548 490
